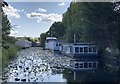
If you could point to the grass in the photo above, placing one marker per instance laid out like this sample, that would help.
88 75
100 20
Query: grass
9 54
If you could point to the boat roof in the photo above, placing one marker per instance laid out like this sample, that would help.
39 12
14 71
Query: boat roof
83 44
51 38
77 44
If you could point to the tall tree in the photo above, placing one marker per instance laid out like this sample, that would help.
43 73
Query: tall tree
57 29
42 39
6 26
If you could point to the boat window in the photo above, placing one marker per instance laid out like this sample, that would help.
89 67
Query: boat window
71 49
57 44
90 49
85 65
85 49
81 49
90 65
94 65
76 65
94 49
76 49
81 65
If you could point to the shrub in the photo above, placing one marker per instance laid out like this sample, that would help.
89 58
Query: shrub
9 54
5 56
12 50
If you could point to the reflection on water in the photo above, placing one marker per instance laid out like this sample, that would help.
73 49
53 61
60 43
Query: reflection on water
37 65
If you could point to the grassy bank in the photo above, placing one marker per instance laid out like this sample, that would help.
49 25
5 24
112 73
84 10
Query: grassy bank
9 53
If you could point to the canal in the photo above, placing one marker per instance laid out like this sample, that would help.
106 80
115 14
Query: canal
37 65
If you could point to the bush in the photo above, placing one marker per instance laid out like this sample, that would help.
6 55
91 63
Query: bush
9 54
12 50
5 56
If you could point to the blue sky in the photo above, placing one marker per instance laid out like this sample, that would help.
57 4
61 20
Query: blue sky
33 18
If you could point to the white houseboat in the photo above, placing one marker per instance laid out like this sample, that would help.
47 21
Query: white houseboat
79 50
85 55
23 43
52 44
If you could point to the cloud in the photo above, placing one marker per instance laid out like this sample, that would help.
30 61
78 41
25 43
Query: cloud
42 10
44 17
16 26
61 4
13 32
11 11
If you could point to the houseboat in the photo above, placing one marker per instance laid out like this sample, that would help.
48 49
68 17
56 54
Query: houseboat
23 43
79 50
85 55
52 43
35 44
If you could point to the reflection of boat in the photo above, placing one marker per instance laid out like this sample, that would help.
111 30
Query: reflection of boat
83 64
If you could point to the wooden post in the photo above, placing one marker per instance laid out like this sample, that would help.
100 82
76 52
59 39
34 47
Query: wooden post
74 75
74 38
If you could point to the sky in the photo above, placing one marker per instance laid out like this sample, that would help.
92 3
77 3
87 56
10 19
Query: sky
33 18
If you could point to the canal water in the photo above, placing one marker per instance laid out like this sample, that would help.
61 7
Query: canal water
37 65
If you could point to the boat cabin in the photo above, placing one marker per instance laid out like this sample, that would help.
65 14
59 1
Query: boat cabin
51 43
79 50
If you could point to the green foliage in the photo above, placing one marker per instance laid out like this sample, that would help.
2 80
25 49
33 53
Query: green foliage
92 22
9 53
5 26
5 56
28 38
12 50
42 39
57 29
9 49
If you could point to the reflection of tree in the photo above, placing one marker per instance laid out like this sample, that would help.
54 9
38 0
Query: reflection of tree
69 75
89 76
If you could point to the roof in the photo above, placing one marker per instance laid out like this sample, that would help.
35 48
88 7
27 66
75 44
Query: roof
77 44
83 44
51 38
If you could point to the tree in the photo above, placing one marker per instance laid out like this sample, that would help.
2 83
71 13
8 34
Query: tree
42 39
6 26
56 30
92 22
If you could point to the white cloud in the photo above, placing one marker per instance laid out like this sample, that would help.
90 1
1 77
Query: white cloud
42 10
61 4
13 32
44 17
16 26
11 11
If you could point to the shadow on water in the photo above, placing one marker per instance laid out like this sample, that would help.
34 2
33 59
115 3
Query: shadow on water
86 77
